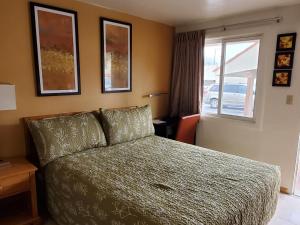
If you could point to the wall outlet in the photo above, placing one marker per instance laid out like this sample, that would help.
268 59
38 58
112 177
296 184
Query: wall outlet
289 99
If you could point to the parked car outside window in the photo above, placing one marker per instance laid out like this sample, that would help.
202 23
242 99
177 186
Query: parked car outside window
233 95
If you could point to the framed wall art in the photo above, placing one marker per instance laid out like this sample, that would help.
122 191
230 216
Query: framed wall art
284 60
116 55
55 43
282 78
286 42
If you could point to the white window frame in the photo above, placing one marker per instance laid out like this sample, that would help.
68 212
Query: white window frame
223 42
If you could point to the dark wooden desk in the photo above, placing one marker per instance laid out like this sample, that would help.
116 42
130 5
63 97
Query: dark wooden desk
166 128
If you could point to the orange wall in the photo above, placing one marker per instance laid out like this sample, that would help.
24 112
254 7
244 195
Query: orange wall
151 67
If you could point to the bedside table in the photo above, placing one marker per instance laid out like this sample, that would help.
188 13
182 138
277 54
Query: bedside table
166 127
18 203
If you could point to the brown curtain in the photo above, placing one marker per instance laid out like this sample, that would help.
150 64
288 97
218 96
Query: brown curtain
187 74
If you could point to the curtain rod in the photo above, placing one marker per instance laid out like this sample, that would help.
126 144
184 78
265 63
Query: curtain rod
248 23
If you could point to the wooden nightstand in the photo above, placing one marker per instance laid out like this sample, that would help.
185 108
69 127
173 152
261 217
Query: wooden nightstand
18 203
166 127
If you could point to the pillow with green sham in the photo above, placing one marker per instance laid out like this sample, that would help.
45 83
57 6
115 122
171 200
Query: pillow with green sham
125 125
64 135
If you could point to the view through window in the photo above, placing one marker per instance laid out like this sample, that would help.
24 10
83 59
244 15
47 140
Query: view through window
230 72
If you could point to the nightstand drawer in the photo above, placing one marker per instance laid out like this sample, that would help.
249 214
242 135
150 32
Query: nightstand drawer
14 184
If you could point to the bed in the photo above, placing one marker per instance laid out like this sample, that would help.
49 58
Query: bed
153 180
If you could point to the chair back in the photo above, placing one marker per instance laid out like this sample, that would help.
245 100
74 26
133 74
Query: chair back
186 130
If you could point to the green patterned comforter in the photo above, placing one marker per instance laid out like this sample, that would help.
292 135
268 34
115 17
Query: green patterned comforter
159 181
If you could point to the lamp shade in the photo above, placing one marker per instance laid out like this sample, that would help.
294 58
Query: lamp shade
7 97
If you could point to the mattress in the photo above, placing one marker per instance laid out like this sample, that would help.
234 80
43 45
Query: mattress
155 180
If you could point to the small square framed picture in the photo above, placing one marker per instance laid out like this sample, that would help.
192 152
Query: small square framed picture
282 78
286 42
284 60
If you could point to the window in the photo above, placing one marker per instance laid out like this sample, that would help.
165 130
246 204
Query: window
230 72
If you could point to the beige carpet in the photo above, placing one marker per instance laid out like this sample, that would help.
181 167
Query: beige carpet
287 212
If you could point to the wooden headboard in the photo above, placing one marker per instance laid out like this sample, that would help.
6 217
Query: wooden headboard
31 153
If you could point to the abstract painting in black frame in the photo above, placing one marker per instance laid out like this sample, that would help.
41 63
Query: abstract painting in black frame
116 55
56 53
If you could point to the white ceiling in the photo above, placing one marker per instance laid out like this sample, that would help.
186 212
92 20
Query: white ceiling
183 12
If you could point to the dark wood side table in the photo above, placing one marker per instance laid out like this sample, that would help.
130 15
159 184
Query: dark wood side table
166 127
18 203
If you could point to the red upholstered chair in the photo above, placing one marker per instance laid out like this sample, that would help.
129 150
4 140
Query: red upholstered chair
186 130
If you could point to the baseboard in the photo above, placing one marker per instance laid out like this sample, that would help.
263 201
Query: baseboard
284 190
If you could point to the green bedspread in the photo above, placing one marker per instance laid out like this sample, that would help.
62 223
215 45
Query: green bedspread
159 181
